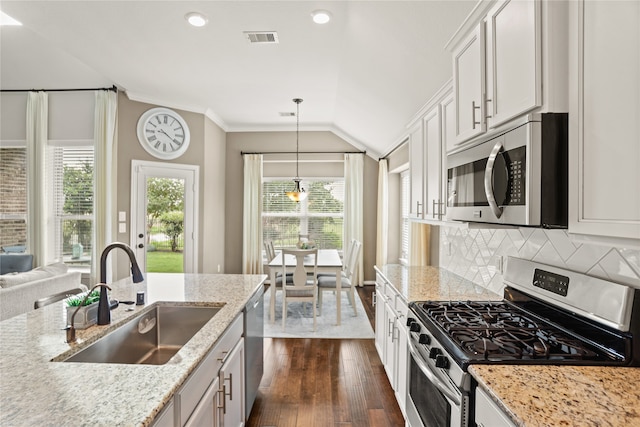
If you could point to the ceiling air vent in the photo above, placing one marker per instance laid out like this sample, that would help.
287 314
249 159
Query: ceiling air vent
261 36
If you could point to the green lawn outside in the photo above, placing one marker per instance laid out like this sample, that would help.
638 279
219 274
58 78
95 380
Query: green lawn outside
165 262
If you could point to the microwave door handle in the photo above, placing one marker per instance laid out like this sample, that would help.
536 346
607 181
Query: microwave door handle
488 180
431 376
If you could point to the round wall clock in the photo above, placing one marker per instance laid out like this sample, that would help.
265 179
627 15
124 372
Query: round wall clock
163 133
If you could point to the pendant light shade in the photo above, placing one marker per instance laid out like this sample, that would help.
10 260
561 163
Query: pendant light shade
298 193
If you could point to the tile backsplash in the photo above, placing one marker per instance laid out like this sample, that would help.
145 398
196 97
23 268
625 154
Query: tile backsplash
477 254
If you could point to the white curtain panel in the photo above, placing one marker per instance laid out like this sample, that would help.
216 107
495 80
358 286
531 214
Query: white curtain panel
383 213
105 136
252 215
37 136
353 206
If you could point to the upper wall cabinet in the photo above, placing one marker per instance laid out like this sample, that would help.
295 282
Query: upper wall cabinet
507 61
416 172
604 134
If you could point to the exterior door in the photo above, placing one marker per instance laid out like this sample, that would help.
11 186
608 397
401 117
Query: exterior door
164 225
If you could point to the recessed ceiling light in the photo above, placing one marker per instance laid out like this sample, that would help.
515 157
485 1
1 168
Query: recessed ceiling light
196 19
321 16
7 20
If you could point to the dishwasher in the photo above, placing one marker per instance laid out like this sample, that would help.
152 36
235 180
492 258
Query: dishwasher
254 346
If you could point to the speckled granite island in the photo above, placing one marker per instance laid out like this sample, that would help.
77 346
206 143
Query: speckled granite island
532 395
37 391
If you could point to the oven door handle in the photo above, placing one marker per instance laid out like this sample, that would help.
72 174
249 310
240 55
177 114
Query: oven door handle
488 180
442 387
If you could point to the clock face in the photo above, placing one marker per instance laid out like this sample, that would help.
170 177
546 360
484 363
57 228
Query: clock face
163 133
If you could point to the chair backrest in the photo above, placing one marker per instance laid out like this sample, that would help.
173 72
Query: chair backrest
300 277
353 258
346 256
269 250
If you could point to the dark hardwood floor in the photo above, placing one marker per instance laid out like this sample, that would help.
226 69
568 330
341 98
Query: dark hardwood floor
325 382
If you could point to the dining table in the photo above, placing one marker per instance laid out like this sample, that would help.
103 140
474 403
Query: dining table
329 261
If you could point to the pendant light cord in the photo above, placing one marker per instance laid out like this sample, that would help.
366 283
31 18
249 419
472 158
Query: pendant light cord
297 101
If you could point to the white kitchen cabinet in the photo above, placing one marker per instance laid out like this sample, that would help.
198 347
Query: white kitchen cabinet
416 172
232 386
509 59
207 413
391 337
488 414
513 60
379 303
604 134
469 85
448 112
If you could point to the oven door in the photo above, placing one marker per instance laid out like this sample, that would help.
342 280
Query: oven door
432 399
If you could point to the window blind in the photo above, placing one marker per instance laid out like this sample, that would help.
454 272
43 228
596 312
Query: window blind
320 216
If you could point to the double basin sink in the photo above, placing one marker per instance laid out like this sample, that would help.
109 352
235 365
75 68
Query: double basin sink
151 337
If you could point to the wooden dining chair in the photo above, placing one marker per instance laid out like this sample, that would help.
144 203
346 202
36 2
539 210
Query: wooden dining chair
347 284
304 283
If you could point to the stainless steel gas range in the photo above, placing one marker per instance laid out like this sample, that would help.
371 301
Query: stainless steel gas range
548 316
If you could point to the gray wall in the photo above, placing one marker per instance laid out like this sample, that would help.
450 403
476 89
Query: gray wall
285 141
207 150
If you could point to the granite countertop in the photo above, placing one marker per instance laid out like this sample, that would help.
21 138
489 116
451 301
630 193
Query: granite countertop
532 395
36 391
433 284
536 396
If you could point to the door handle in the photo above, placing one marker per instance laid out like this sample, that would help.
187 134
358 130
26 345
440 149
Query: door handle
488 180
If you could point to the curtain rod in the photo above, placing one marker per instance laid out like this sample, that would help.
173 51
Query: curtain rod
303 152
394 149
112 88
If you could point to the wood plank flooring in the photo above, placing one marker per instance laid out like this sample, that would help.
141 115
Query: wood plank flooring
325 383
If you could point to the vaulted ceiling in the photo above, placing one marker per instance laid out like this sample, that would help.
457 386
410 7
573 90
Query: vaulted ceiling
363 75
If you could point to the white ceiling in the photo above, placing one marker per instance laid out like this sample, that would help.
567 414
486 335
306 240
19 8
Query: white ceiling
363 76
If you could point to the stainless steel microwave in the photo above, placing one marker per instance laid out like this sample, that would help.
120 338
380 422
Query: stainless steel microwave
516 177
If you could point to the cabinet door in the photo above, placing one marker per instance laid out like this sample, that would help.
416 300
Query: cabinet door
433 144
416 172
513 60
488 414
380 327
232 384
448 113
390 344
402 360
207 412
604 134
468 85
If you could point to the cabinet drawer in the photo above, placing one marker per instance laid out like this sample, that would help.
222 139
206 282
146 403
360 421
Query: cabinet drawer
200 379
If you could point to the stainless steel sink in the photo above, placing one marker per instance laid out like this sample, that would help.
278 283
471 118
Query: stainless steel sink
150 338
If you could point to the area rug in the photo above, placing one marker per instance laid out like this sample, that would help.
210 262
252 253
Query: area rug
300 319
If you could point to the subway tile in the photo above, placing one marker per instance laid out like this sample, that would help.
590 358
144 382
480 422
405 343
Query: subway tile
561 242
548 255
586 256
618 269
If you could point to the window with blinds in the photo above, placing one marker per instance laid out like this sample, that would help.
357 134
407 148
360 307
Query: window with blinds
71 188
320 216
405 207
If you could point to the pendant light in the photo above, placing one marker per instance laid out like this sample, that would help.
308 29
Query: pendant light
298 193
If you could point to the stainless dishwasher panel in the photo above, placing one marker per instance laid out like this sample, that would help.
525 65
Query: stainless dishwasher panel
254 347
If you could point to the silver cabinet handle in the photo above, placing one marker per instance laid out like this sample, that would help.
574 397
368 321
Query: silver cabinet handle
488 180
418 204
487 109
374 299
474 107
224 399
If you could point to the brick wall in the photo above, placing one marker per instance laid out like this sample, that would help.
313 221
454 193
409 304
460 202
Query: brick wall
13 196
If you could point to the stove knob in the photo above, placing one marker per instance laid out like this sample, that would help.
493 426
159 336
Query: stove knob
410 320
434 352
424 339
415 327
442 361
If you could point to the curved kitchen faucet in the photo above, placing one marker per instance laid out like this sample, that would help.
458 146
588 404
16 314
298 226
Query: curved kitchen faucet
104 310
71 330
